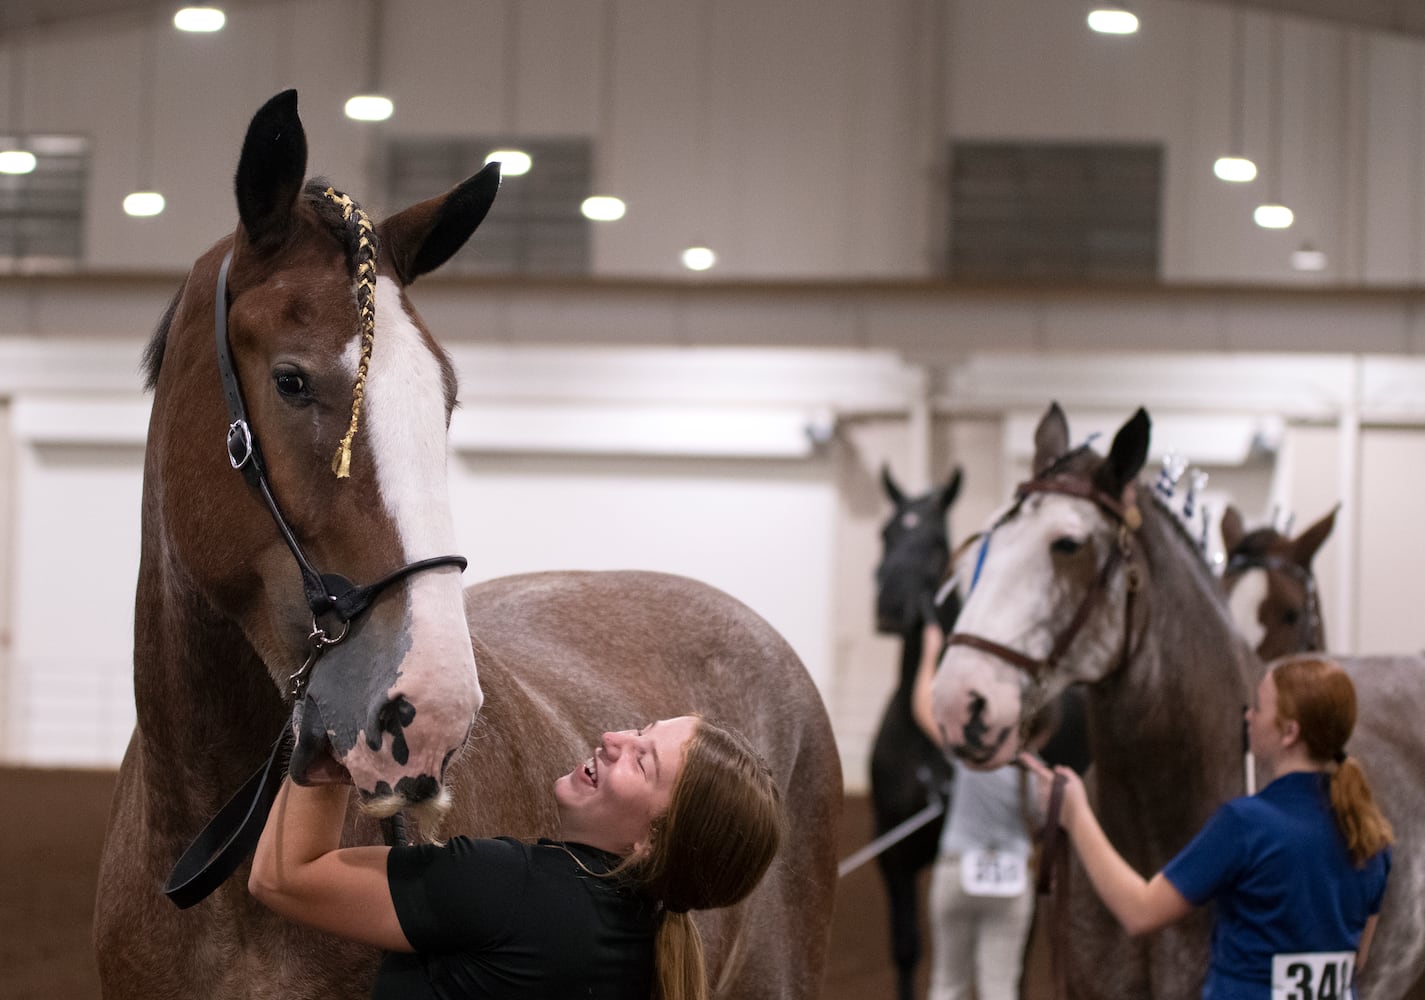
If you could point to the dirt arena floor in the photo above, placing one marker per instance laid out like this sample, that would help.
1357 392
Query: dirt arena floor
49 859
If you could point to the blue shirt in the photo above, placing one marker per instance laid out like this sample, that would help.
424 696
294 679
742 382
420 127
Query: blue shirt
1277 867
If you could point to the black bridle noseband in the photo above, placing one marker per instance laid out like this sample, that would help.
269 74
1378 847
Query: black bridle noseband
233 833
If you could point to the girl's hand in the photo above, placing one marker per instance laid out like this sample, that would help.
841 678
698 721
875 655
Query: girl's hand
1075 798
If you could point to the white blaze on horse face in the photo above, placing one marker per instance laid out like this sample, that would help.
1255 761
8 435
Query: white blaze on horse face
1245 601
1023 600
404 425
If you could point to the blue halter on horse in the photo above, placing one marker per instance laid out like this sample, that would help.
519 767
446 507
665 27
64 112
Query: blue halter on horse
232 834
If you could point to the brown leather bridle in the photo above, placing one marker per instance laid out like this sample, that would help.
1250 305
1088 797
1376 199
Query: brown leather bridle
1053 844
1129 518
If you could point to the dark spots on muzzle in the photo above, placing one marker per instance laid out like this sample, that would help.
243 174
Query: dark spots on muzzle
393 718
416 789
976 747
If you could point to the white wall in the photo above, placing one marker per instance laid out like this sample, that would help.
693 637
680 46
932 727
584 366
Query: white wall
800 140
756 529
790 528
70 698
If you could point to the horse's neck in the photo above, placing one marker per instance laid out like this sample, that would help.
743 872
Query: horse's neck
912 644
207 712
1167 727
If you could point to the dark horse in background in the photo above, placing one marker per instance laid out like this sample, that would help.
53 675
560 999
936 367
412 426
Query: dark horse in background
424 694
1270 585
908 771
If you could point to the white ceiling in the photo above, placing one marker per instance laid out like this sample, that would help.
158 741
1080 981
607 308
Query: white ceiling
1393 16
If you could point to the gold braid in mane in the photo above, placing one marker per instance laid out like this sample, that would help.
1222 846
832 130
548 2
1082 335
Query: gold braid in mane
351 213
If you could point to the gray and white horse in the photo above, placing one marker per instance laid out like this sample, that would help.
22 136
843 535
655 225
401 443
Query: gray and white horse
1086 579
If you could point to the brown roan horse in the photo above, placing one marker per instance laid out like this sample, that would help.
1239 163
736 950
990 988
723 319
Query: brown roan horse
395 707
1087 579
1270 585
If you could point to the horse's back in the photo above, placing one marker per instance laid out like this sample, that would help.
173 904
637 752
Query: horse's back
564 656
1390 746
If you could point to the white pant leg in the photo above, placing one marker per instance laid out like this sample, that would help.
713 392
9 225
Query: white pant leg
953 932
999 954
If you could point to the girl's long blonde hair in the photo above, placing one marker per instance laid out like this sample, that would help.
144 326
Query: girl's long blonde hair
710 849
1319 697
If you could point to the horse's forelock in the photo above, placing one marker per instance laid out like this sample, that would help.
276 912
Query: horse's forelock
330 213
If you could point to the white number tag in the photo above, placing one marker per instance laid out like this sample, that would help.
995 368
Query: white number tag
993 873
1316 975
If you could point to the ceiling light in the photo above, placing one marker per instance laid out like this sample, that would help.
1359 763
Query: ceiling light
369 108
513 162
143 203
1110 19
17 161
199 19
1273 216
603 208
1308 258
699 258
1238 169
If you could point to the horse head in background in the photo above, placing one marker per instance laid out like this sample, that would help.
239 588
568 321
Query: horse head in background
292 355
1270 585
908 771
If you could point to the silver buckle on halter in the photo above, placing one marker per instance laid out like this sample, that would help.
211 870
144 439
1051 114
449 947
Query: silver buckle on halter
239 435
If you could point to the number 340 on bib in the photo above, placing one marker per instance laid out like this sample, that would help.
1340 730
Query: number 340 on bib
1315 975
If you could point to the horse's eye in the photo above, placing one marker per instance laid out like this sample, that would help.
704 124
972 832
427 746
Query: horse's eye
291 383
1065 546
1291 616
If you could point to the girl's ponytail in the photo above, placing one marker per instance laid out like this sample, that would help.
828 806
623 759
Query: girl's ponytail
1366 830
678 959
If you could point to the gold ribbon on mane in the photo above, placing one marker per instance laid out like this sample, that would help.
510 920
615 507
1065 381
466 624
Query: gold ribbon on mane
366 312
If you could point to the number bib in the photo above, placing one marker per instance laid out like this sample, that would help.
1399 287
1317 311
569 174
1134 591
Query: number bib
993 873
1313 975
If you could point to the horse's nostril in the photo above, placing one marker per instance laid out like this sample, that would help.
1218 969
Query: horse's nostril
393 717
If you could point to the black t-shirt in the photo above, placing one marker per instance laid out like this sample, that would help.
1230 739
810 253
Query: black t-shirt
514 921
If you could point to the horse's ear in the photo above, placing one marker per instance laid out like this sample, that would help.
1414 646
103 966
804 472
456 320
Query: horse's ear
1232 527
1306 544
421 238
271 170
1051 438
888 483
951 489
1126 457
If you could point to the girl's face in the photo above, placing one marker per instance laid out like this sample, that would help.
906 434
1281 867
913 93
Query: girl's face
1264 732
610 800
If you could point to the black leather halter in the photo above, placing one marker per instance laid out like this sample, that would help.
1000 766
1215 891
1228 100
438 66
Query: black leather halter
232 834
326 593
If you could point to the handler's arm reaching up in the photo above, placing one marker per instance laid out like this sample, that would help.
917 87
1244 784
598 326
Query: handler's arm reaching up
1141 905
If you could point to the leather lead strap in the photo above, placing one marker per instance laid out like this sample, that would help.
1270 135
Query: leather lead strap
1052 881
232 834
